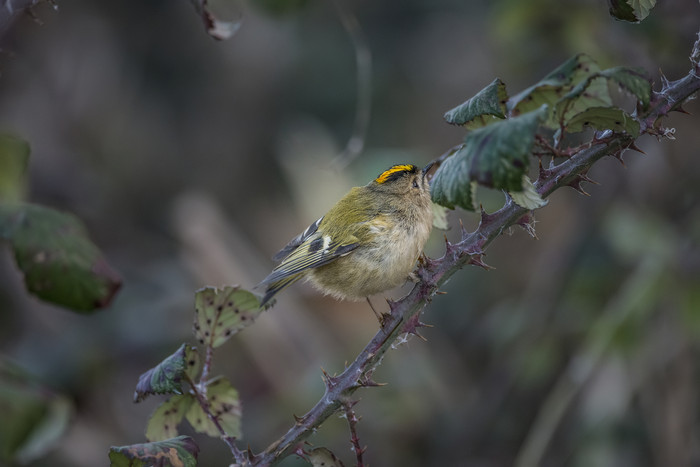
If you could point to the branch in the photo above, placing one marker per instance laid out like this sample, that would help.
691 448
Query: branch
11 10
405 314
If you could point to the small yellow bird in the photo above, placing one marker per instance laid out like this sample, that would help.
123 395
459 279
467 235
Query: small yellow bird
367 243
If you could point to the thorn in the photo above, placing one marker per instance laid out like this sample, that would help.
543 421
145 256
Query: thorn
440 292
369 383
464 232
476 260
665 84
411 326
633 146
682 110
618 156
527 222
328 380
298 420
544 173
485 217
586 178
251 456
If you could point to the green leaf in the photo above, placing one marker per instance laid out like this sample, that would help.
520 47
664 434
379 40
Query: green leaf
33 416
634 81
166 377
528 198
487 106
591 92
632 11
14 157
554 86
451 185
176 452
224 405
604 118
323 457
221 313
60 263
165 419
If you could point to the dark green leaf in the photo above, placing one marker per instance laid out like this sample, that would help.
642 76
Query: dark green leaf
634 81
554 86
221 313
176 452
164 421
528 197
451 186
33 417
495 156
60 263
487 106
604 118
14 157
167 376
632 11
224 405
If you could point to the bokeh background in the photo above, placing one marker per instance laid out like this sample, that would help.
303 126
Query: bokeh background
193 161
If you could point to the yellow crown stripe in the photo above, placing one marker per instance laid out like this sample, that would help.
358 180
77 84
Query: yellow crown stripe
396 168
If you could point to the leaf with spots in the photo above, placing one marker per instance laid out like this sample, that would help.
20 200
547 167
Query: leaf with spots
591 92
604 118
60 263
487 106
323 457
634 81
550 89
224 405
167 376
181 452
221 313
165 419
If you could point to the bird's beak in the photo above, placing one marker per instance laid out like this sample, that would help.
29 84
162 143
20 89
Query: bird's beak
427 168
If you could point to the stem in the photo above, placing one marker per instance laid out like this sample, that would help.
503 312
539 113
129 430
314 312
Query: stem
201 397
354 440
404 317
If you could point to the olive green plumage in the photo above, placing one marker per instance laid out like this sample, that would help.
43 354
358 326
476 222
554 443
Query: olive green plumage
367 243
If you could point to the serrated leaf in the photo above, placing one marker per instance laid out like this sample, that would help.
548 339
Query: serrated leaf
167 376
164 421
528 197
221 313
14 157
554 86
176 452
634 81
60 263
487 106
604 118
591 92
451 185
632 11
224 405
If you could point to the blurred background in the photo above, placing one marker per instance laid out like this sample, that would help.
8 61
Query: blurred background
193 161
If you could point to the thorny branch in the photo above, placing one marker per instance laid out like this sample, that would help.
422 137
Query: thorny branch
405 313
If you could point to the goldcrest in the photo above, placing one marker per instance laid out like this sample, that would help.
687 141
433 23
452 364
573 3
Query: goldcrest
367 243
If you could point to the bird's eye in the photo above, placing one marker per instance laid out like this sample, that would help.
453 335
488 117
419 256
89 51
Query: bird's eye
415 183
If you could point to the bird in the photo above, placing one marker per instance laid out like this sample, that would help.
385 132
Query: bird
367 243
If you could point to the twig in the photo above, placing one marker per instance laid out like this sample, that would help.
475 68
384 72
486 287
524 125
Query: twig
354 440
230 441
405 314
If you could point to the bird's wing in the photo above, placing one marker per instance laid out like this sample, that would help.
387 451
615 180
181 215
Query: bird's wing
314 251
296 241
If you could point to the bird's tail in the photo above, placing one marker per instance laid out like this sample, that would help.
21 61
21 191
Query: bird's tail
271 289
